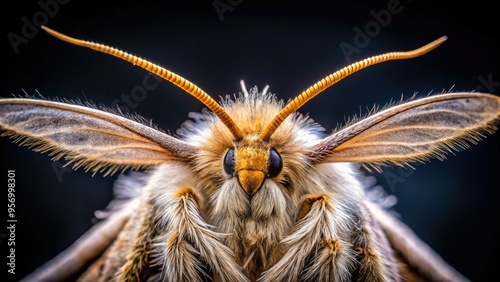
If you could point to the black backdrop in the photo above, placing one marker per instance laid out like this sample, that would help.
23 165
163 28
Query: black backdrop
452 205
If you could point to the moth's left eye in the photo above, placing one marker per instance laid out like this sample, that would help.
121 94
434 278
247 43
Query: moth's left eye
275 163
229 161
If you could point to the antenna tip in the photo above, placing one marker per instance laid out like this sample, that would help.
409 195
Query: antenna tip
443 38
429 46
45 28
50 31
440 40
63 37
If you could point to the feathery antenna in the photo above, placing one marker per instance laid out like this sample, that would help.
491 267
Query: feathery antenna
335 77
175 79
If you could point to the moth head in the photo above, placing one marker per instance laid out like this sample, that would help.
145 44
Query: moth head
252 161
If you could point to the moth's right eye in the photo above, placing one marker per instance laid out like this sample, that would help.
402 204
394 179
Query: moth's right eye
229 161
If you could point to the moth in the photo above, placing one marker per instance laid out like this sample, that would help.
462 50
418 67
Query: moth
250 190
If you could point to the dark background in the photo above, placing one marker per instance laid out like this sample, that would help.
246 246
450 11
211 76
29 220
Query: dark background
452 205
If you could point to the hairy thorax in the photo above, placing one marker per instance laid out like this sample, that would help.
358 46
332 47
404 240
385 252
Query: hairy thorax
255 227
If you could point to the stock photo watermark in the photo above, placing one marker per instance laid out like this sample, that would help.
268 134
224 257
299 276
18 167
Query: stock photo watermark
31 26
11 222
222 6
138 93
363 36
393 176
487 83
60 169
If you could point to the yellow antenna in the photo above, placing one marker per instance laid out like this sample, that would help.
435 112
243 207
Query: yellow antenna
176 79
335 77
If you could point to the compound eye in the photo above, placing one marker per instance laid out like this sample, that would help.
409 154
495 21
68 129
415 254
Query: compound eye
229 161
275 163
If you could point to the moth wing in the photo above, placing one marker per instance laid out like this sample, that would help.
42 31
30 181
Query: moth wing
417 130
94 139
74 260
417 261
